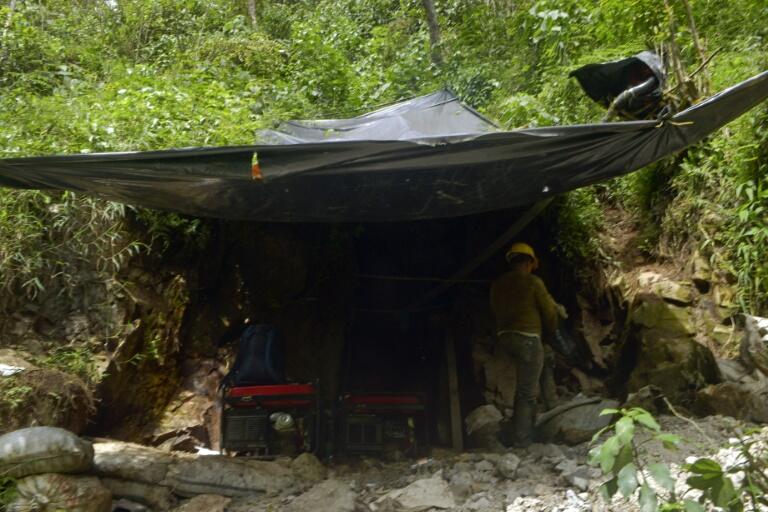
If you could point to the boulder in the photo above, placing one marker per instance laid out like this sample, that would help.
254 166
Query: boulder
651 312
423 494
462 484
308 468
548 451
507 465
753 350
205 503
43 396
497 371
328 496
676 365
128 461
37 450
646 280
191 417
228 477
10 358
669 290
574 422
701 273
732 370
673 291
483 427
53 492
740 401
649 398
725 296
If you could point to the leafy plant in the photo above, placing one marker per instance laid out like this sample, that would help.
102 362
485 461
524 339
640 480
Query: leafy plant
622 457
8 492
619 457
75 360
14 394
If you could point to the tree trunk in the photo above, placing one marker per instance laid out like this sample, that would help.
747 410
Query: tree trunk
434 31
252 11
6 28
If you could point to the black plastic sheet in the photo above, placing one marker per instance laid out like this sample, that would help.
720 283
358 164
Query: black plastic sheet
430 157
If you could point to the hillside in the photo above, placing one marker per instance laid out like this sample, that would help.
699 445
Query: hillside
127 318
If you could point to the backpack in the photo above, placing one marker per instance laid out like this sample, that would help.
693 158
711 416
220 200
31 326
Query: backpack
260 358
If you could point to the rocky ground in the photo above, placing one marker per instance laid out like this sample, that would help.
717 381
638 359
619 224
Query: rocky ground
543 477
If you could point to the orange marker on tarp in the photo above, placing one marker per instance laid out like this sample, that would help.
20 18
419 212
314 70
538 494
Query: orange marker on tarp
255 168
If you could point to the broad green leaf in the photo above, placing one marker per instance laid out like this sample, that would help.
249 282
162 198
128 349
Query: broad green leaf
624 457
608 452
648 421
705 467
660 473
627 480
648 500
608 489
692 506
625 429
723 492
699 482
606 412
593 458
670 441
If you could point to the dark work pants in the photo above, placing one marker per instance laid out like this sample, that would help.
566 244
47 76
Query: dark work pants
548 393
527 353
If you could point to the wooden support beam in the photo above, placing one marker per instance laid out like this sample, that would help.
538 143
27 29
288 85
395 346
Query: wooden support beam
457 427
492 249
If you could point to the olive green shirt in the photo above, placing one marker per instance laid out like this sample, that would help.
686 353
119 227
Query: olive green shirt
521 302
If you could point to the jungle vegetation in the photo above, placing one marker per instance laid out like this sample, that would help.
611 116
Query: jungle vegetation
110 75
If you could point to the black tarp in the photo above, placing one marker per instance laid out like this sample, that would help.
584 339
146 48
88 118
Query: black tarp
429 157
603 82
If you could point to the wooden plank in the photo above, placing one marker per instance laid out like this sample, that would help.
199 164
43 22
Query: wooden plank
457 427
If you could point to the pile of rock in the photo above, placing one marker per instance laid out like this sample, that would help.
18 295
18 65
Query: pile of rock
56 470
743 394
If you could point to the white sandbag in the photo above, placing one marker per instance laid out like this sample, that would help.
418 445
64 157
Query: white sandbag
37 450
128 461
228 477
156 497
56 493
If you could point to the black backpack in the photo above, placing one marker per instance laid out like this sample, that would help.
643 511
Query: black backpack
260 359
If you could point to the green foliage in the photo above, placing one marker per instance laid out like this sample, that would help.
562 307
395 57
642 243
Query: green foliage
45 239
168 230
74 360
13 394
575 219
622 457
139 74
8 492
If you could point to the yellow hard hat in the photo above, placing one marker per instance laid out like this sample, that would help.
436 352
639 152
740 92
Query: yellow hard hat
521 248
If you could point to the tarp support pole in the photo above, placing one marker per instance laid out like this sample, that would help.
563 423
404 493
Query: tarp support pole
492 249
457 430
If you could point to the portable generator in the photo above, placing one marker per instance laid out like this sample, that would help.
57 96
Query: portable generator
271 419
369 422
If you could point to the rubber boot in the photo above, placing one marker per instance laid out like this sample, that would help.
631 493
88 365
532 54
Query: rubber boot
547 386
524 420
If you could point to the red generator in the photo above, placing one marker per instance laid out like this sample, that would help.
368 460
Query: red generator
369 422
271 419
